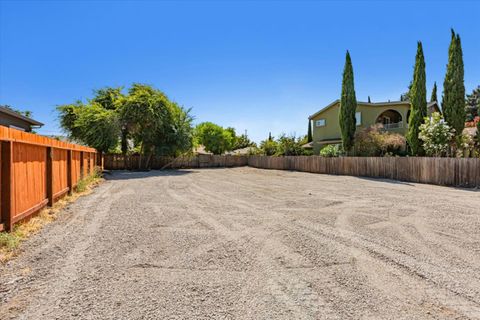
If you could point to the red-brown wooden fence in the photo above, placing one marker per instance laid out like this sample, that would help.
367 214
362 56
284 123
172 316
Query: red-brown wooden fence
35 171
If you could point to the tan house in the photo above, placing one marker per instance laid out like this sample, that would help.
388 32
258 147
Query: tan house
392 115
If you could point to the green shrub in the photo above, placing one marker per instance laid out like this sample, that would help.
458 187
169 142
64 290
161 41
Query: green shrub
331 150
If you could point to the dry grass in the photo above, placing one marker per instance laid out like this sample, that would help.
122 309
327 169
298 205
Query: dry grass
10 241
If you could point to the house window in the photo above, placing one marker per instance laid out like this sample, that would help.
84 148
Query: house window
320 123
358 118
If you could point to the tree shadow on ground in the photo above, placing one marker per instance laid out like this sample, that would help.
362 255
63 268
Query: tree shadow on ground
126 174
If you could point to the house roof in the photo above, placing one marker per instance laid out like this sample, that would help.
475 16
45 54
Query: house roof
241 151
308 145
20 116
373 104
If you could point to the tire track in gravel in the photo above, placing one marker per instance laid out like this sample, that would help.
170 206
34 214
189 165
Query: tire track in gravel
389 257
54 260
285 285
252 244
377 254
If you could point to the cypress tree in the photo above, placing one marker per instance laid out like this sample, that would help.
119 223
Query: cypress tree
434 92
309 135
348 106
418 102
453 102
369 101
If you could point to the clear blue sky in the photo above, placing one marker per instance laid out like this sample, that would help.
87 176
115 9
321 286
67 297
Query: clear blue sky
260 66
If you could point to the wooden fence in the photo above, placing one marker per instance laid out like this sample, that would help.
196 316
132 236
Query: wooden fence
462 172
119 162
36 171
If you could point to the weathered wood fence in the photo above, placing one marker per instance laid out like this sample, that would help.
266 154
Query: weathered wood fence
120 162
464 172
36 171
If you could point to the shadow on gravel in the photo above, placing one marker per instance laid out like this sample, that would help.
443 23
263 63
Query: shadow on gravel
387 181
125 174
466 188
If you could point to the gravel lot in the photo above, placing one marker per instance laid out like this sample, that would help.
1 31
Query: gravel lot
247 243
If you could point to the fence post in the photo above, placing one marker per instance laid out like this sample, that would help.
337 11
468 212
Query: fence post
81 165
6 213
49 176
69 172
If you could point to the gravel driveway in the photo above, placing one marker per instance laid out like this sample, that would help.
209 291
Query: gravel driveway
247 243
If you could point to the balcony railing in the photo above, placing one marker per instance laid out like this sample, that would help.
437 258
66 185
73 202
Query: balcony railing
396 125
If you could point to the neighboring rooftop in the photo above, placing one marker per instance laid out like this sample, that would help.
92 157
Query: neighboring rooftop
10 112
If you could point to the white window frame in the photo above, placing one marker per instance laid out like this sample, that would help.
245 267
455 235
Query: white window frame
358 118
320 123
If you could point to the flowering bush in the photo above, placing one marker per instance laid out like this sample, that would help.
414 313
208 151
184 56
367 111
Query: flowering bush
473 123
436 135
373 141
466 145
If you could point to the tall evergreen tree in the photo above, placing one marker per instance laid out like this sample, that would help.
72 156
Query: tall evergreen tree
309 134
434 93
369 101
453 101
418 102
348 106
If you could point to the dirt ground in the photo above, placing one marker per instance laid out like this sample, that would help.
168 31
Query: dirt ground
248 243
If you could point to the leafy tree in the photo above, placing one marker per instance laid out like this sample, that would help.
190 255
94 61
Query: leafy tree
176 138
309 134
113 99
348 106
472 104
289 146
269 147
91 125
242 141
98 127
436 135
418 102
146 113
453 102
214 138
433 98
145 117
109 98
